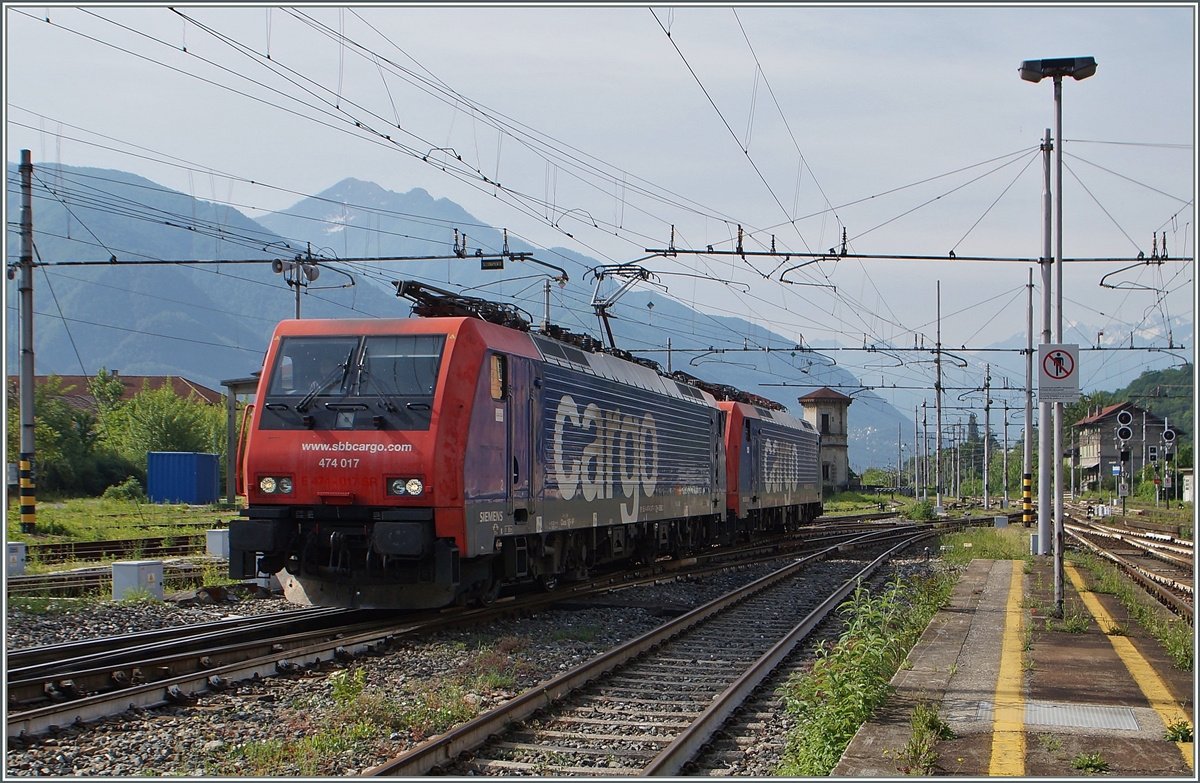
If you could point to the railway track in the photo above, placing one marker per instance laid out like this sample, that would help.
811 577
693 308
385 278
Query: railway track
651 705
59 685
1159 563
126 549
91 579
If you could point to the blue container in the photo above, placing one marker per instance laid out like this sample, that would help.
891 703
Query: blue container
182 477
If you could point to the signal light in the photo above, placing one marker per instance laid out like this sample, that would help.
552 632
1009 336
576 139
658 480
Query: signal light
1125 418
1168 436
1124 433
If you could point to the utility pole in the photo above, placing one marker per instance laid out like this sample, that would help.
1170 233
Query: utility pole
1027 470
1006 453
1046 427
28 498
937 387
987 431
924 450
916 454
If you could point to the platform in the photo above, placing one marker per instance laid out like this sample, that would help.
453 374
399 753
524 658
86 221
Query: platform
1027 704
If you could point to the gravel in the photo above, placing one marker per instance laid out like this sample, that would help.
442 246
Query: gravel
251 729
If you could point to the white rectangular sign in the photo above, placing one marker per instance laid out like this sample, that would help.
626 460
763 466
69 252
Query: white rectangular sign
1058 373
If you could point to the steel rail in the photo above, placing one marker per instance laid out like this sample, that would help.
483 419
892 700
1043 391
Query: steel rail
176 687
675 758
1152 583
434 754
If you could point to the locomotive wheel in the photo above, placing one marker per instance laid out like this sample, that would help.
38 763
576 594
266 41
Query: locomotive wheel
548 582
488 596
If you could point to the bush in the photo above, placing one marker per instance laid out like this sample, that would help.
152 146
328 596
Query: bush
921 510
131 489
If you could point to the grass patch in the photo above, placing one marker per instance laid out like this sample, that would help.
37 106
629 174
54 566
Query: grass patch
1050 743
847 503
1174 634
584 633
850 679
1006 543
107 519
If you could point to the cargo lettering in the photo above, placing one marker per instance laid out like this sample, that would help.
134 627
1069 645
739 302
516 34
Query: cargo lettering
781 466
618 448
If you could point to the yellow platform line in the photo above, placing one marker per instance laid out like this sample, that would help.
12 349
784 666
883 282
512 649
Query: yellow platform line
1143 673
1008 712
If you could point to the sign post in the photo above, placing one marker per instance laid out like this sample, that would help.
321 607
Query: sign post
1058 372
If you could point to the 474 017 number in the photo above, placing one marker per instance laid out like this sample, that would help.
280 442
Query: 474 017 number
334 462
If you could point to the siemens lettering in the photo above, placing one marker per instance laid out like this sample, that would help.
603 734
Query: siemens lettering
594 449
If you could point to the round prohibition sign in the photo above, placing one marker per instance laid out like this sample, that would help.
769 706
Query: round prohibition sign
1058 365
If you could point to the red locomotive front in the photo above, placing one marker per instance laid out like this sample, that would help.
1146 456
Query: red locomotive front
354 461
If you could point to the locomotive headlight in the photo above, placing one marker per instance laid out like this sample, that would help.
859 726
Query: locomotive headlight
403 486
271 485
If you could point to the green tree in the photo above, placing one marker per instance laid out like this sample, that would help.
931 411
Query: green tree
69 458
161 420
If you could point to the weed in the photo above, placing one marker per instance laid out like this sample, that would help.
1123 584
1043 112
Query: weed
1077 622
849 678
1175 636
1027 638
1050 743
1117 629
138 595
1028 663
348 687
1089 763
919 756
1179 731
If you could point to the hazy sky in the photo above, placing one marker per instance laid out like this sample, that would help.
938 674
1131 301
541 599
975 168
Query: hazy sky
907 125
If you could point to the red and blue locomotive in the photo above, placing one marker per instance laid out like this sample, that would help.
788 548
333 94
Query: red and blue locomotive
418 463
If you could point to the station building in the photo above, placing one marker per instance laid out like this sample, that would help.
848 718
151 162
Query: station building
826 409
1099 451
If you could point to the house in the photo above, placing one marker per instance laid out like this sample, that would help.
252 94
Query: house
826 410
76 394
1099 449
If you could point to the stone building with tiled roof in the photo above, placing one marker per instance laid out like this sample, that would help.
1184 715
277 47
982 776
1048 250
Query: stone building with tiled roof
1096 435
826 409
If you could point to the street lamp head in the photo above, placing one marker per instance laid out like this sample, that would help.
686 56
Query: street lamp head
1078 68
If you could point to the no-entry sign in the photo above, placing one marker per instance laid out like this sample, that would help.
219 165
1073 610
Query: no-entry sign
1058 373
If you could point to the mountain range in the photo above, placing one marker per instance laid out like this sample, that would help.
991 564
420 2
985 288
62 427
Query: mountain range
151 281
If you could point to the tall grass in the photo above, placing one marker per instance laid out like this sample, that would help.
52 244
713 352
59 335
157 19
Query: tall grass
850 679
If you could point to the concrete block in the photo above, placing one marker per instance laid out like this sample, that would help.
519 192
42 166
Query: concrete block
1033 543
216 543
131 575
1001 521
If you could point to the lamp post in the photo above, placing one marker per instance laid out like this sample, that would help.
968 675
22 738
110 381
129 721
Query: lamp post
1078 68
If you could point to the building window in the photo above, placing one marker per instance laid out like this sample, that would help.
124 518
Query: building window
824 423
825 470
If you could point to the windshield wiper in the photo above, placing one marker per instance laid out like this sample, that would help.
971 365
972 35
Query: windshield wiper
363 375
337 376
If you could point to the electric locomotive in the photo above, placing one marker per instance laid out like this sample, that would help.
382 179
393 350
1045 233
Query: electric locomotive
418 463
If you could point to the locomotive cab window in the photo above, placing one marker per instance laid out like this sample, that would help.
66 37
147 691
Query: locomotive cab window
306 365
499 372
400 365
